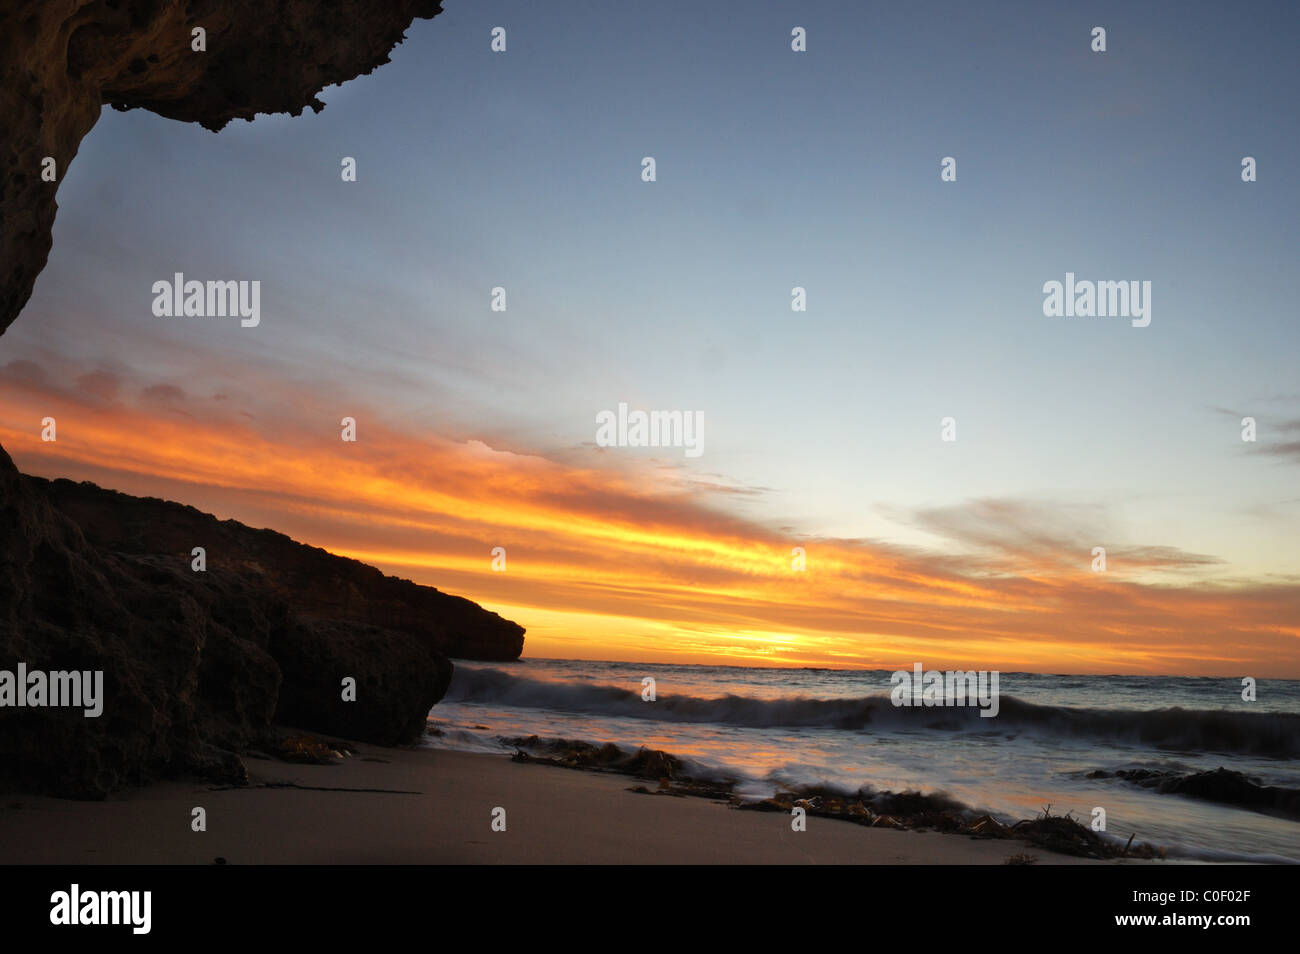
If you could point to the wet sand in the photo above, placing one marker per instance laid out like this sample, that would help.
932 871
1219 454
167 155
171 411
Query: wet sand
427 806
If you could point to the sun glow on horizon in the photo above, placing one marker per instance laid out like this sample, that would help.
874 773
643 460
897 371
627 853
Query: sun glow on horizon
605 564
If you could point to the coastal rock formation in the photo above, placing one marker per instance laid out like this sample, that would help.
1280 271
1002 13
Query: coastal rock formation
315 585
61 62
1220 785
185 666
198 665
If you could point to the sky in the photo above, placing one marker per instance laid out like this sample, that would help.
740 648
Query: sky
822 428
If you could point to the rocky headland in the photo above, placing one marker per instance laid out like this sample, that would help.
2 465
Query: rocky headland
198 665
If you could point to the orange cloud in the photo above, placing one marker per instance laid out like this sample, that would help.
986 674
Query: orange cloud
618 563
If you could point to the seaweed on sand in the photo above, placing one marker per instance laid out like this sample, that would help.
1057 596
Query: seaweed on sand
909 810
308 750
1066 836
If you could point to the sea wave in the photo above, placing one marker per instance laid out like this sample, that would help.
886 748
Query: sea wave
1269 734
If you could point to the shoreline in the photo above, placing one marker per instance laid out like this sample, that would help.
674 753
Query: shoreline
421 805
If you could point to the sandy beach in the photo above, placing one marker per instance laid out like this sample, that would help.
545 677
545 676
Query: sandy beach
422 806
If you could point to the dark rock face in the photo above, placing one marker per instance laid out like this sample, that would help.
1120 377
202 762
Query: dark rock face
391 705
61 61
186 667
314 584
198 665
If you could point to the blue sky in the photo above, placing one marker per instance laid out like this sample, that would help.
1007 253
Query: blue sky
775 169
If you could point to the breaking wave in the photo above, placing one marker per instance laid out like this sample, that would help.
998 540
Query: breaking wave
1270 734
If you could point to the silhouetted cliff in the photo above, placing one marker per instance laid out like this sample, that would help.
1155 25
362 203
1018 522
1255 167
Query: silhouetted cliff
198 665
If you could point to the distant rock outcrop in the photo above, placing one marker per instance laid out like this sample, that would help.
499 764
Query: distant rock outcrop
61 61
1220 785
198 665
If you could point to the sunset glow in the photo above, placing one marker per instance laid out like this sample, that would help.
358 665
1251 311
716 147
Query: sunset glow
605 563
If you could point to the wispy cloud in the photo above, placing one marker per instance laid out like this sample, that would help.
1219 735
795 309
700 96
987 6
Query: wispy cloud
615 561
1020 535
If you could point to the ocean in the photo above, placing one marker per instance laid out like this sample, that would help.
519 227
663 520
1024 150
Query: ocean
771 730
